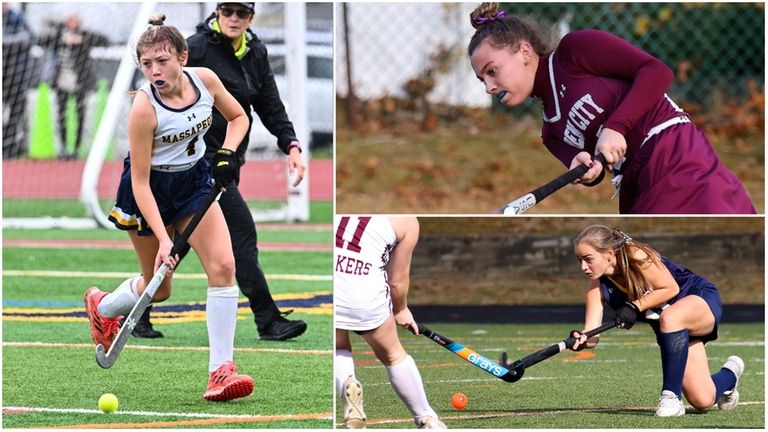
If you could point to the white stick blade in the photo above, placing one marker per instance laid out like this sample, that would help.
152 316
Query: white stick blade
519 205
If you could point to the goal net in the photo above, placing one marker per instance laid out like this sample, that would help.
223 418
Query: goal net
62 156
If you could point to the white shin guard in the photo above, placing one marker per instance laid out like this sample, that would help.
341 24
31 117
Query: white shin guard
406 381
121 300
221 318
343 368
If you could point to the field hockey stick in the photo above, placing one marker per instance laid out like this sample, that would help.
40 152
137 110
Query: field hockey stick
467 354
529 200
518 367
108 358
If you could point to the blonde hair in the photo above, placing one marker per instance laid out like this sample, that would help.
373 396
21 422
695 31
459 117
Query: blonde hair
507 30
604 239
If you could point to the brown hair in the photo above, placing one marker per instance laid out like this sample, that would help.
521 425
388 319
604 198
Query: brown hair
159 33
504 30
604 239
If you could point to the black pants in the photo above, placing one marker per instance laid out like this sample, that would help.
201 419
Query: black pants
62 98
249 274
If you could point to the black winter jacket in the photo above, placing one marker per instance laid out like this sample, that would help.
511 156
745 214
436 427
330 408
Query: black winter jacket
249 80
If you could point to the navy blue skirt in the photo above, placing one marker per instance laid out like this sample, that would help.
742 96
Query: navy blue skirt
711 296
177 194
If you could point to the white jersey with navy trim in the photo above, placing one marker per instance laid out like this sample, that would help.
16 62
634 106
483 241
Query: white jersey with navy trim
360 289
179 135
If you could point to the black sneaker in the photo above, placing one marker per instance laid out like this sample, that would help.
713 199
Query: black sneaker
144 330
283 329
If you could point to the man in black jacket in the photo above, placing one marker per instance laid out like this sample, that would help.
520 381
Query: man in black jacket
225 44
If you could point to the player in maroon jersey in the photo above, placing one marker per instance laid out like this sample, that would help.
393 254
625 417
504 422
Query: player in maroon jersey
603 95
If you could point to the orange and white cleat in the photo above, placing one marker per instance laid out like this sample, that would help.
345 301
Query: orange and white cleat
103 329
226 384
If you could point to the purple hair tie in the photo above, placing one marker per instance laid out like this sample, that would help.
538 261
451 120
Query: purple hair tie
483 20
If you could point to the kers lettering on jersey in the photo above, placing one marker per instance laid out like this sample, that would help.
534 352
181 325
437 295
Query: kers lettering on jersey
357 252
353 266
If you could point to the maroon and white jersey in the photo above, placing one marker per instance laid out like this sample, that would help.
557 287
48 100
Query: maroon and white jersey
361 253
595 80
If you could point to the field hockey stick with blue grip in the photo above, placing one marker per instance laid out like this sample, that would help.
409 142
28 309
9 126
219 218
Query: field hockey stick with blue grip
517 368
469 355
534 197
106 359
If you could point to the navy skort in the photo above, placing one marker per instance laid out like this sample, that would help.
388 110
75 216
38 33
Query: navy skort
177 194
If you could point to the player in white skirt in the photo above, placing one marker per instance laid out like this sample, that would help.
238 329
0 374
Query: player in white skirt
372 259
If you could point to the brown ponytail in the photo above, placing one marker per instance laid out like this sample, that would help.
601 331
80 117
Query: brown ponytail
159 33
507 30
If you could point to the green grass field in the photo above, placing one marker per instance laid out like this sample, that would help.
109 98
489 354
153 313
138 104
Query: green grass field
50 376
614 386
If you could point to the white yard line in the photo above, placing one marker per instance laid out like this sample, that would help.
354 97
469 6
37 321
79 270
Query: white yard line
540 412
123 412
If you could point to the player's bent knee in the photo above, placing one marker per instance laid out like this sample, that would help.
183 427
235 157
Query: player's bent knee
669 321
394 357
701 403
221 269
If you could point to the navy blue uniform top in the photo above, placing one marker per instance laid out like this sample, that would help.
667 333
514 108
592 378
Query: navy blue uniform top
689 282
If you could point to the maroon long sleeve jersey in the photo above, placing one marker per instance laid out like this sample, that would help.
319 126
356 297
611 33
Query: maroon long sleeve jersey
595 80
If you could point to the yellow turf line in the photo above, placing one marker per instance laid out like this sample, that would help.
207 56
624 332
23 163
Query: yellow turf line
123 275
161 348
524 413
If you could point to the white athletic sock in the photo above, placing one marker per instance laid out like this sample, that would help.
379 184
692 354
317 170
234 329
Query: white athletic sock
406 381
120 301
221 317
343 367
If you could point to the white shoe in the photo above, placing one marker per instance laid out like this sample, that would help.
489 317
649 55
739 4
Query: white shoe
730 399
352 404
429 422
669 405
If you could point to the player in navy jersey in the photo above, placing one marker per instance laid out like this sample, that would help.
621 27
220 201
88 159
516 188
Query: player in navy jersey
600 94
164 182
683 308
372 264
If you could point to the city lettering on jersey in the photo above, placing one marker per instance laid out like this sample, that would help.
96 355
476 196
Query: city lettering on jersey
579 118
194 130
352 266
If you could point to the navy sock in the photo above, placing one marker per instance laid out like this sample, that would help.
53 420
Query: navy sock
674 356
724 380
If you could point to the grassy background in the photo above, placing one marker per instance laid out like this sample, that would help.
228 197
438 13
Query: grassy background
464 167
48 355
615 386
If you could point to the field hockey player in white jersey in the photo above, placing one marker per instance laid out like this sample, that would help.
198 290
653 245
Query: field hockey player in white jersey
164 182
372 259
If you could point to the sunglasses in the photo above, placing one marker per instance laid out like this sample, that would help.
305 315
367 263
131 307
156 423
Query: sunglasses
241 13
